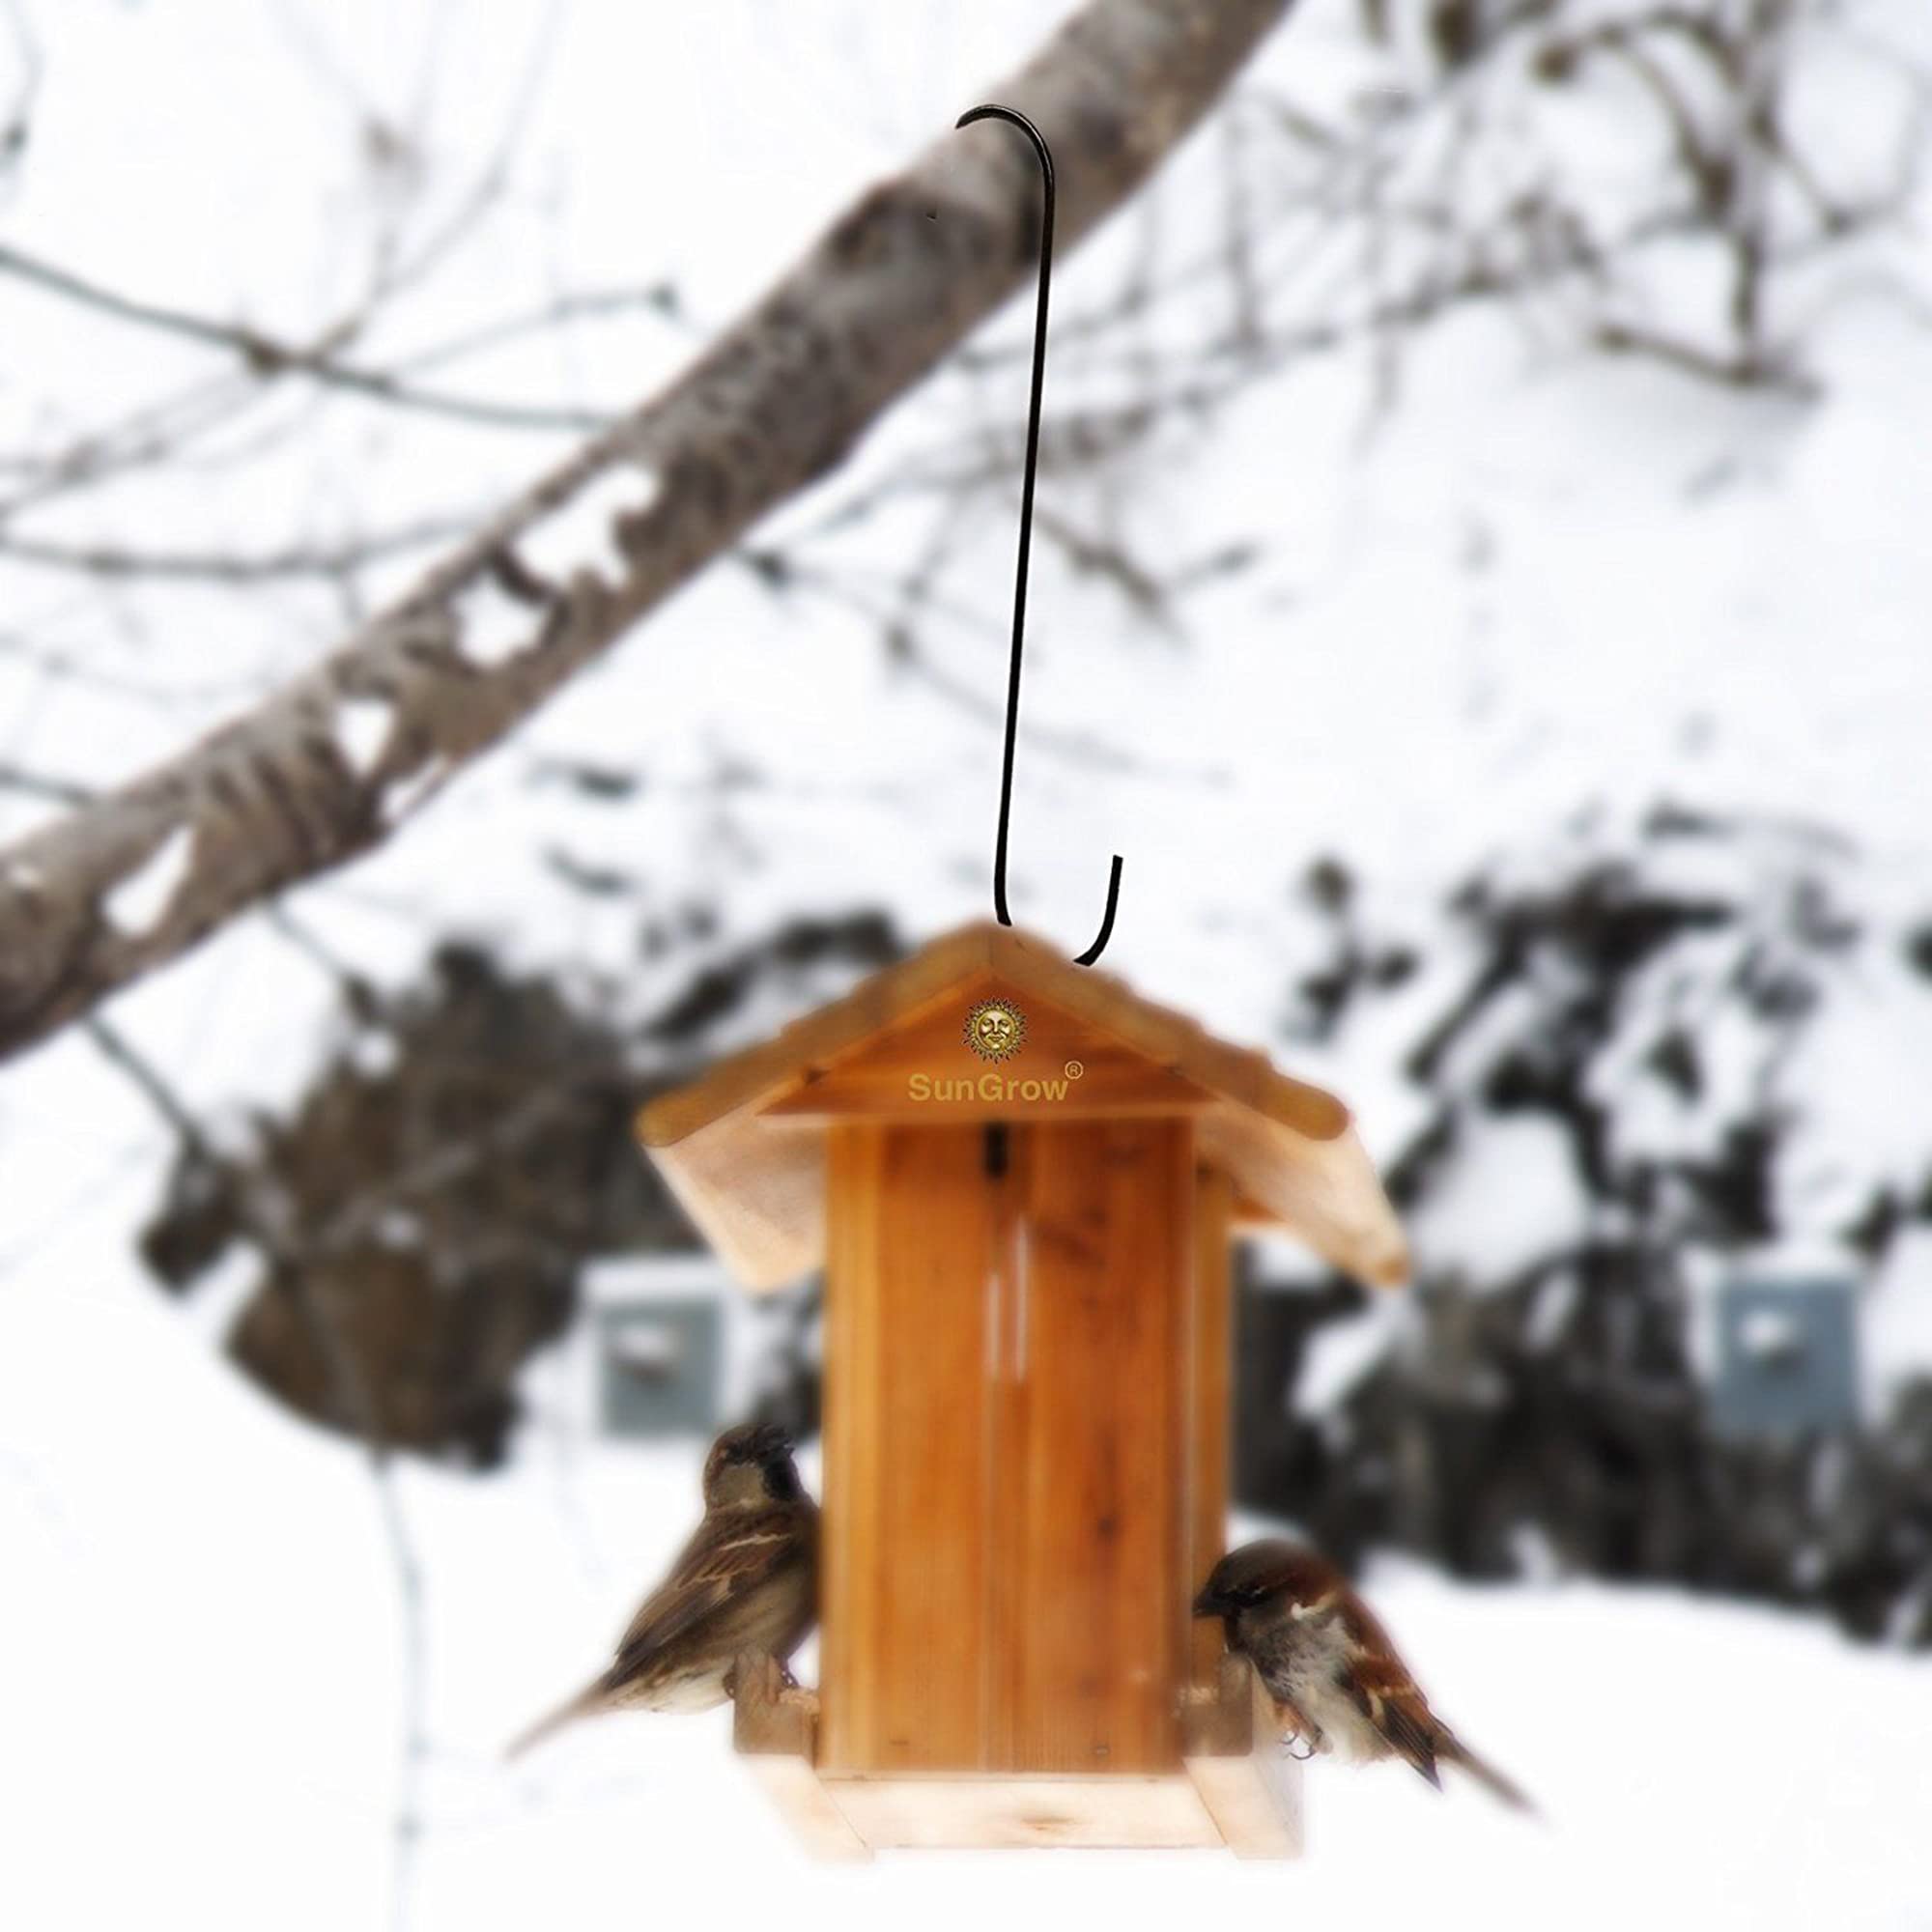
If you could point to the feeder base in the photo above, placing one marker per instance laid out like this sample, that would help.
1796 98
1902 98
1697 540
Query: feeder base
1234 1787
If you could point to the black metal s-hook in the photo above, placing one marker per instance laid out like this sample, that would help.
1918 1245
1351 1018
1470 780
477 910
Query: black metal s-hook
1033 134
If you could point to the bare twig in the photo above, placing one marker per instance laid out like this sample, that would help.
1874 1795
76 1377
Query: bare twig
351 1394
19 111
328 560
40 784
267 357
581 305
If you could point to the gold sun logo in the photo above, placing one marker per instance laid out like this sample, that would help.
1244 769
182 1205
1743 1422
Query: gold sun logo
995 1030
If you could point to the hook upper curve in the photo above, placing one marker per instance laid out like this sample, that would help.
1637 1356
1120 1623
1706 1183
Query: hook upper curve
991 111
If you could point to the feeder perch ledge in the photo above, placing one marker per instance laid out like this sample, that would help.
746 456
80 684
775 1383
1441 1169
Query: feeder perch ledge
1238 1787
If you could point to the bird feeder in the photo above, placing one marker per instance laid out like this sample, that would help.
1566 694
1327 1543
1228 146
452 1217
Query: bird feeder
1022 1183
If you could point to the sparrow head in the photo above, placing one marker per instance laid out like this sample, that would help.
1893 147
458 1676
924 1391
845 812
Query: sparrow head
1259 1575
751 1464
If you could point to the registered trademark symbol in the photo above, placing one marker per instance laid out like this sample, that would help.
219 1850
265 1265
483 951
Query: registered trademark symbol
1075 1069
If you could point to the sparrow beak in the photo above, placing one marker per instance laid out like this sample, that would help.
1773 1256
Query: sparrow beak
1211 1604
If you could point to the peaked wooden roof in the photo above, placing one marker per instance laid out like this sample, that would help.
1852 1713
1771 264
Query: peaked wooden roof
744 1147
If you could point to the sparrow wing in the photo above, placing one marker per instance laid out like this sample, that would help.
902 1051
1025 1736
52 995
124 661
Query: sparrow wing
730 1556
732 1553
1453 1750
1390 1698
1385 1695
1382 1688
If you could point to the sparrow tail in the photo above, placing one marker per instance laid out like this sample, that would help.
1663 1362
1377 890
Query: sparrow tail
590 1698
1453 1750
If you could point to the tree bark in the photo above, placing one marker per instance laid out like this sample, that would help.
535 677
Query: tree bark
327 766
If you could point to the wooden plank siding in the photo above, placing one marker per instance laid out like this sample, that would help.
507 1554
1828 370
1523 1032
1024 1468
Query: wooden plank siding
1094 1537
1211 1405
904 1588
1011 1437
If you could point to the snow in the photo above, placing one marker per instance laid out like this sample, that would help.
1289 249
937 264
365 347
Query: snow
1895 1321
1511 1192
139 901
1769 1332
362 727
583 534
1340 1354
202 1677
632 1280
404 794
373 1052
493 627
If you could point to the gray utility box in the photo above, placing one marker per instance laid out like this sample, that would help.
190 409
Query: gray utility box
1787 1358
660 1364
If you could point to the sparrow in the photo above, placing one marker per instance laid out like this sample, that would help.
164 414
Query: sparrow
1335 1677
746 1580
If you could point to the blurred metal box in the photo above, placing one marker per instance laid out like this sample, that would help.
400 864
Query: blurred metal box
1787 1358
655 1357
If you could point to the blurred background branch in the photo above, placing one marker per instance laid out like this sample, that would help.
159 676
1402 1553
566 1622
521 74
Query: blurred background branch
276 796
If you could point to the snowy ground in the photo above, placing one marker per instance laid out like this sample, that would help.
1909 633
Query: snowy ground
1539 583
200 1687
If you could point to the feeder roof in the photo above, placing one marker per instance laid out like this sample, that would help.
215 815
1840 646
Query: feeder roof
743 1149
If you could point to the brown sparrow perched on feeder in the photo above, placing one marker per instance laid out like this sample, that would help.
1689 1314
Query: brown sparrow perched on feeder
746 1581
1329 1665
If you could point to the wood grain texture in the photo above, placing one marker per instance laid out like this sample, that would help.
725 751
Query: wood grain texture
1324 1191
904 1646
1021 1813
1236 1788
759 1198
1008 1440
1017 963
900 277
923 1071
1025 1479
742 1147
1097 1460
1248 1785
1210 1345
774 1728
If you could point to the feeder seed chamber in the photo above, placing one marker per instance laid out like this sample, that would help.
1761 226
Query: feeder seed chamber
1023 1183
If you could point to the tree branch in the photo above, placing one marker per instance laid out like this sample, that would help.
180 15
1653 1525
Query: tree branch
267 357
326 560
40 784
295 787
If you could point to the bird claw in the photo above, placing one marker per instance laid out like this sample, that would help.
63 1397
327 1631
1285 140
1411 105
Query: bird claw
1308 1750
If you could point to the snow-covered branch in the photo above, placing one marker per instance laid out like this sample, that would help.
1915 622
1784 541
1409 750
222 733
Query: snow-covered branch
330 765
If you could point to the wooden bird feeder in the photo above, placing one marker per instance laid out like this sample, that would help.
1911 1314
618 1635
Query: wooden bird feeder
1022 1182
